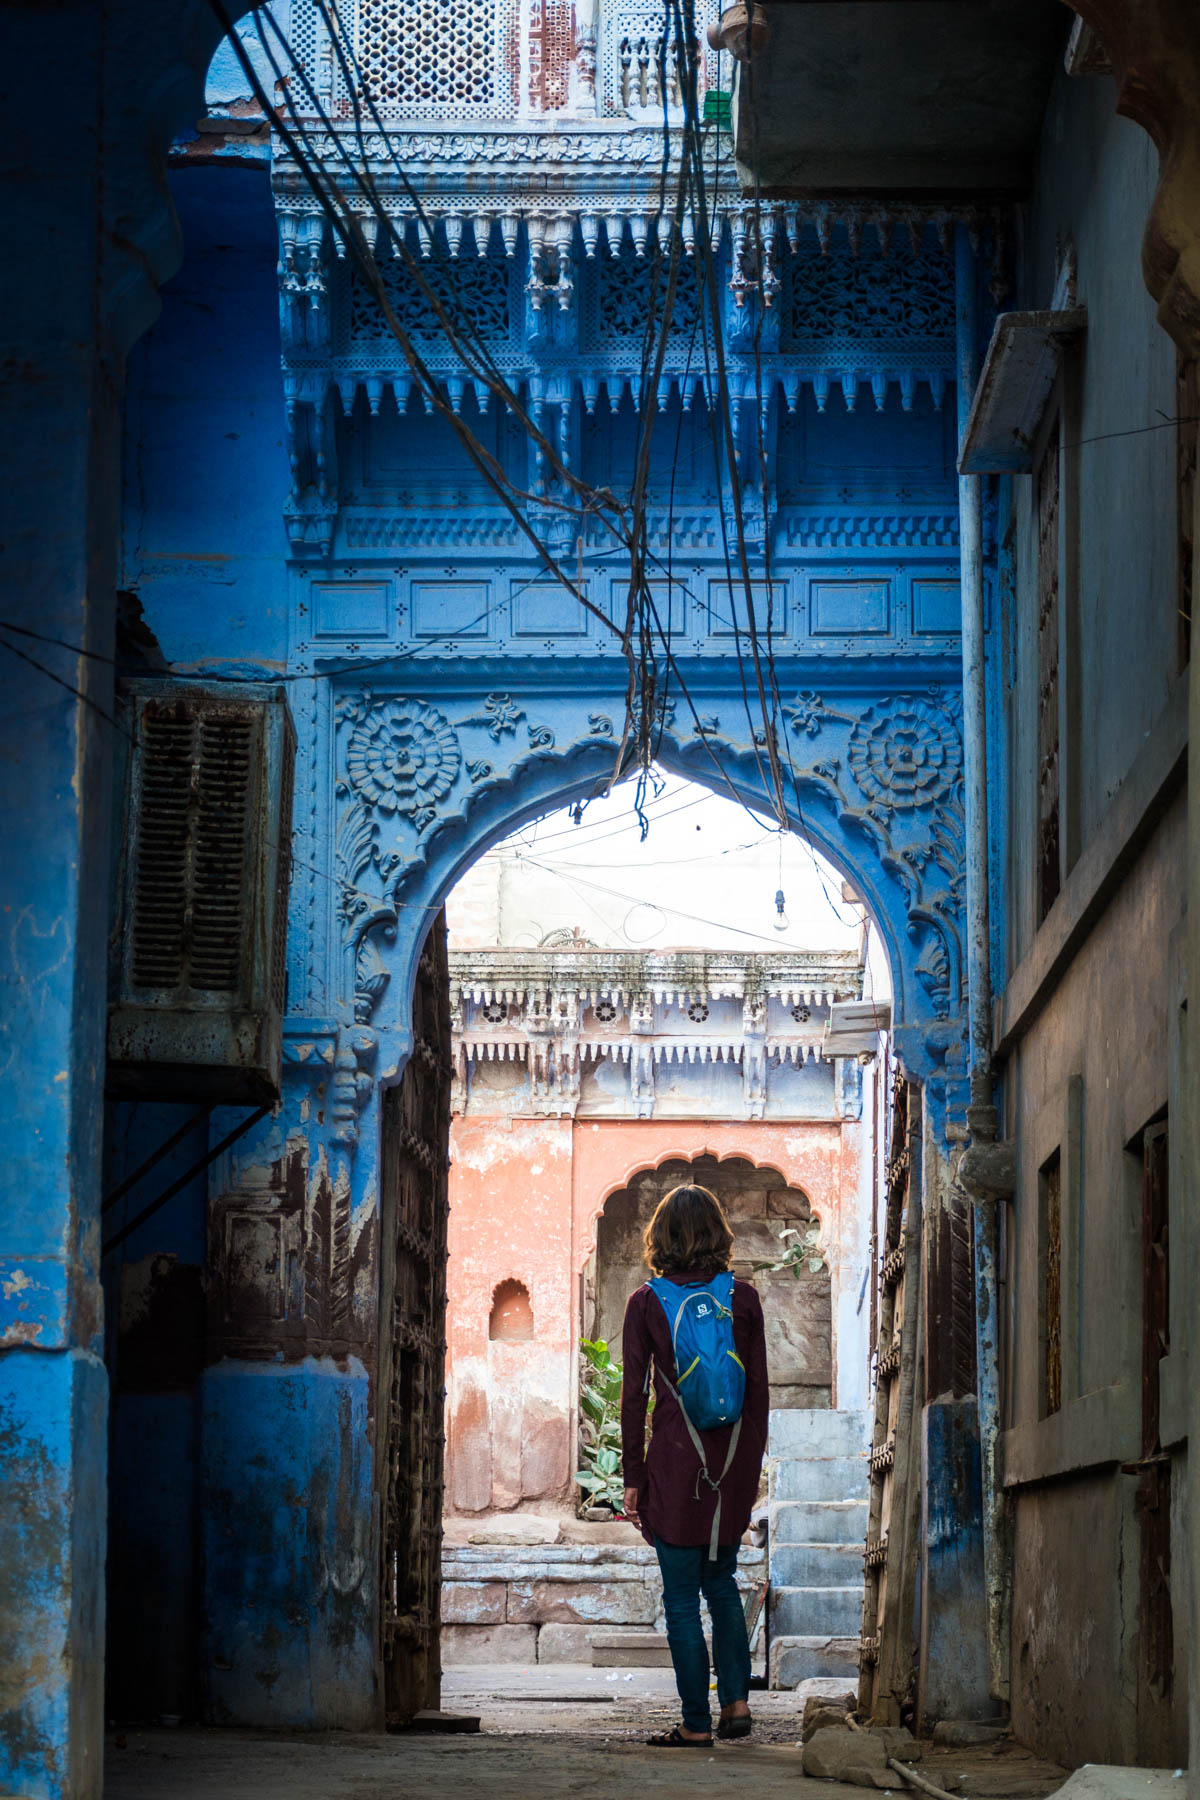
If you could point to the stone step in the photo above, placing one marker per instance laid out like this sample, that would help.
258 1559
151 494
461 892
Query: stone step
565 1562
797 1659
523 1556
816 1611
813 1431
818 1522
820 1478
641 1650
503 1570
816 1565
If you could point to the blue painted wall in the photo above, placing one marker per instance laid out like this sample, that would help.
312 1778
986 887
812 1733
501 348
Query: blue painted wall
205 463
248 1487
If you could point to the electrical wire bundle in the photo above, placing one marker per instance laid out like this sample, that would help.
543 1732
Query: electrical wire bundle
338 171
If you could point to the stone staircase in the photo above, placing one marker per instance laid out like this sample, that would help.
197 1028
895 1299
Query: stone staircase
817 1504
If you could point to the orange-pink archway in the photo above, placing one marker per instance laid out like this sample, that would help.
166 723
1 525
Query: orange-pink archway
526 1197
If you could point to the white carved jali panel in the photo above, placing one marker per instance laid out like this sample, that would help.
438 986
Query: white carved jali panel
451 59
638 55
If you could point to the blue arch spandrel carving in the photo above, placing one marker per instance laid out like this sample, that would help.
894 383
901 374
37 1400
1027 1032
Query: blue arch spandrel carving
558 783
877 789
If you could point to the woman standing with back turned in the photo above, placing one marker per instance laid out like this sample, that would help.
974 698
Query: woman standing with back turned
692 1492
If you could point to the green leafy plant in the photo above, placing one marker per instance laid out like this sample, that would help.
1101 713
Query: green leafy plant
599 1474
805 1256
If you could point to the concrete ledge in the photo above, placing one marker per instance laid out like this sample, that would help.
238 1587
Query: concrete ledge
635 1650
525 1556
604 1562
817 1612
509 1569
819 1478
818 1522
466 1644
588 1602
797 1659
573 1643
1138 805
1093 1432
474 1603
817 1565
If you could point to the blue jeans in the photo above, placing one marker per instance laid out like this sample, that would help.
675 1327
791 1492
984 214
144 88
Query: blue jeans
686 1574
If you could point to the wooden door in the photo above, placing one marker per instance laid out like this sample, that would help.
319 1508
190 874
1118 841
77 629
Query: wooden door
888 1638
412 1361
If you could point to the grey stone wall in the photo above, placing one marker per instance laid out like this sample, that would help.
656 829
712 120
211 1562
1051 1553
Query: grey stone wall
1089 998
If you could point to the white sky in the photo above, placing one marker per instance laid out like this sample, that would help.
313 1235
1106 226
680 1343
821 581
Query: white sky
704 877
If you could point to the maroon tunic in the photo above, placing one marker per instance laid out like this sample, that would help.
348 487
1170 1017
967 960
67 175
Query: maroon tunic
665 1476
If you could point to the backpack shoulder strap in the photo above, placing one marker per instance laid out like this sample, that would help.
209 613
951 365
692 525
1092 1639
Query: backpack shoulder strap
704 1474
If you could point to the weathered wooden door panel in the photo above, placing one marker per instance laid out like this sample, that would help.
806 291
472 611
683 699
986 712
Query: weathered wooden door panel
412 1349
888 1640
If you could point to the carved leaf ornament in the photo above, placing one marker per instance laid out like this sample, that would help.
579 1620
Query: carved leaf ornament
904 756
403 757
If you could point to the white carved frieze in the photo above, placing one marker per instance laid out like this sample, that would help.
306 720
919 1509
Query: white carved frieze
557 1013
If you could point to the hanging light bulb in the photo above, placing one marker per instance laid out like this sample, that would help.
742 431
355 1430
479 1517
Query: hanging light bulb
780 921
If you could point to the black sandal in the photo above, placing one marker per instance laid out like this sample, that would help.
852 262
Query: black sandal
675 1740
738 1727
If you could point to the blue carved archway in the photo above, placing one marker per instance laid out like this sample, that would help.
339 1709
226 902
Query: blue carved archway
426 782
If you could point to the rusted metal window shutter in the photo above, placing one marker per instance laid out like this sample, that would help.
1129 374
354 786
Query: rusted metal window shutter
199 951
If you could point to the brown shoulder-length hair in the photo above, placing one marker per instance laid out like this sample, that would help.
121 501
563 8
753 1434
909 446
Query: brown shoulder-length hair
689 1230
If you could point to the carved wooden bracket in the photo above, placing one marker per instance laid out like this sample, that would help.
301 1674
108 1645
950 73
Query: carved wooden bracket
1154 48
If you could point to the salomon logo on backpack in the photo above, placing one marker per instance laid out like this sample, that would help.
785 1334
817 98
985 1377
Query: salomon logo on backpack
710 1378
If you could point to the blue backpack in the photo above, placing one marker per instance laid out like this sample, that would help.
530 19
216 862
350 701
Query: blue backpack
710 1378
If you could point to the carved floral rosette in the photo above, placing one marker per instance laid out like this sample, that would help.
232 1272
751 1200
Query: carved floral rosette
906 754
403 757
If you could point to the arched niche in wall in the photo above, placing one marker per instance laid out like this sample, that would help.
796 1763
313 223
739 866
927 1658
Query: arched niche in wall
761 1208
511 1318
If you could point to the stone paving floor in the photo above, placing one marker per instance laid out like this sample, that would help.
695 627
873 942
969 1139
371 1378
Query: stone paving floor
545 1732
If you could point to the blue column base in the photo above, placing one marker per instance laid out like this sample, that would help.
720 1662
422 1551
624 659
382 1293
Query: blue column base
953 1681
53 1457
290 1547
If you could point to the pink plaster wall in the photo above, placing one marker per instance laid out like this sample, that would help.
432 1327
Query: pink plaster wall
525 1195
509 1404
